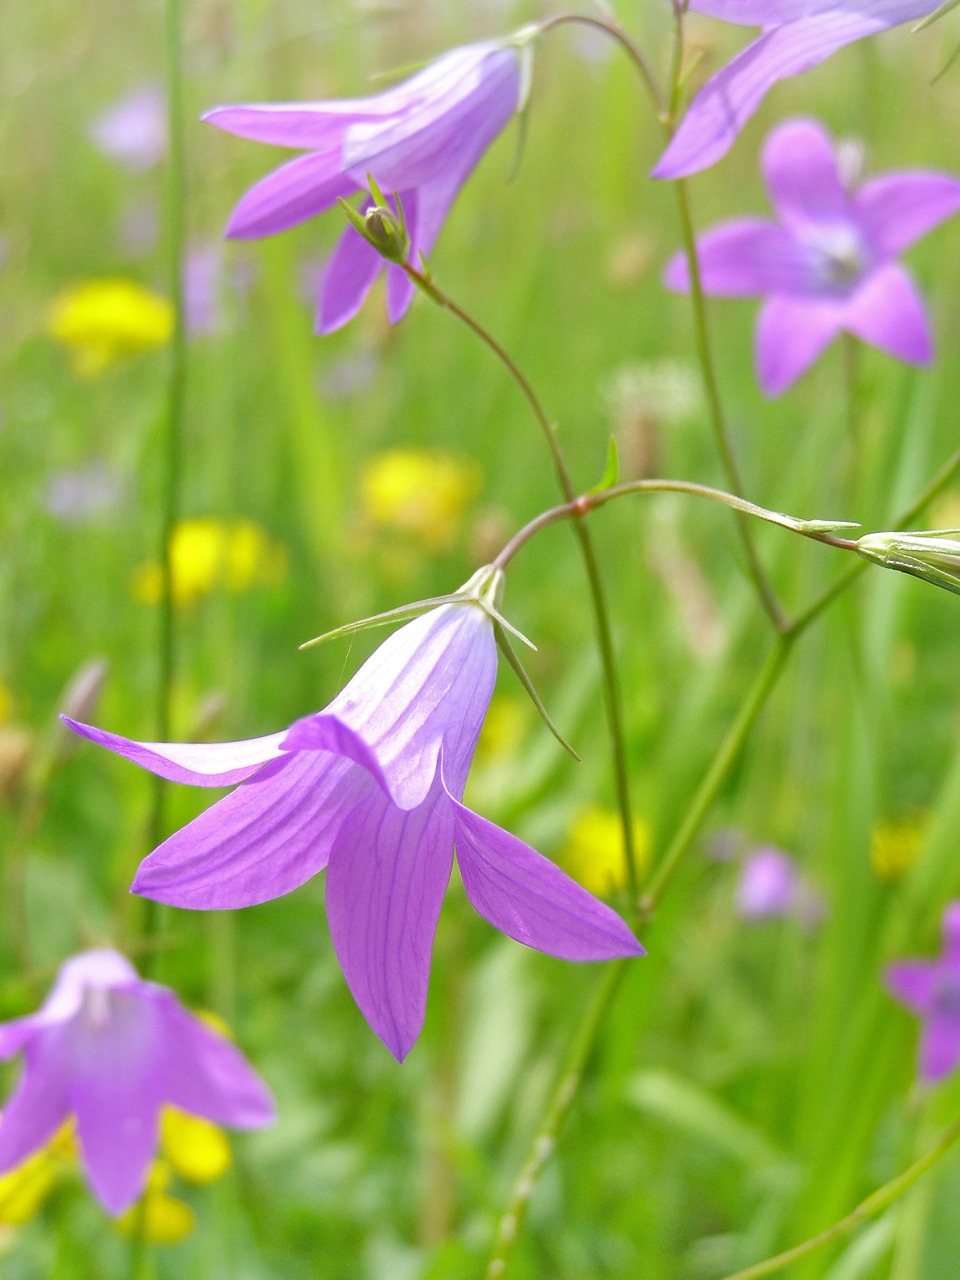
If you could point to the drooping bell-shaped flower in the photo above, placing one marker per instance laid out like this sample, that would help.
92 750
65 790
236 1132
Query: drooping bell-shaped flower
828 264
797 35
370 788
112 1051
422 139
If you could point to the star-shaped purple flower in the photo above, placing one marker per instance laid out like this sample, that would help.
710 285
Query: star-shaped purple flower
112 1050
423 138
828 264
370 788
797 35
931 989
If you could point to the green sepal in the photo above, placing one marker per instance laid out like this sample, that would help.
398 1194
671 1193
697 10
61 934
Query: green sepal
940 12
611 471
504 646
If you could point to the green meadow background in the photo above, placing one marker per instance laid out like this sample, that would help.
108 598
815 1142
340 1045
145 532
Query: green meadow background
753 1081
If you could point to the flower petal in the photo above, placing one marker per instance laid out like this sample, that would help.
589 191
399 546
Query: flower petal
939 1046
114 1091
473 93
898 208
203 1073
386 879
315 126
887 312
200 764
40 1102
263 840
913 983
747 257
729 99
791 333
530 899
800 168
291 194
428 685
347 279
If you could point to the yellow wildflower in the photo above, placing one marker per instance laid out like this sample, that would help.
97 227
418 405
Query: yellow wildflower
157 1217
209 555
895 845
196 1149
502 729
101 321
6 702
594 853
25 1187
421 492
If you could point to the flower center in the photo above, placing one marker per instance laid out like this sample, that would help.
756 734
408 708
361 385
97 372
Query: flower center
843 259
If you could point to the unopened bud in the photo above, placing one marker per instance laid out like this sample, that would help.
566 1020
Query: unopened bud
933 555
380 226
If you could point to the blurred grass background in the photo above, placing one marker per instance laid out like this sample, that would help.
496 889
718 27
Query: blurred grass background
754 1080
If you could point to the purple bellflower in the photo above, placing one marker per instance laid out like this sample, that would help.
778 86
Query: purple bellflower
423 138
828 264
797 35
931 989
370 788
771 886
112 1050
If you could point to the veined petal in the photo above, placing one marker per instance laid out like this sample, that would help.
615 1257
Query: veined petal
530 899
385 882
800 168
896 209
914 983
729 99
199 764
426 687
267 837
203 1073
291 194
114 1044
765 13
887 312
347 279
747 257
474 93
315 126
791 333
40 1102
939 1046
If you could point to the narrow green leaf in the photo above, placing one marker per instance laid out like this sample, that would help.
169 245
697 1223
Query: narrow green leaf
511 657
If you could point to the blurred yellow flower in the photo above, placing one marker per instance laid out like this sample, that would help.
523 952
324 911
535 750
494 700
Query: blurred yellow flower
196 1149
157 1217
209 555
502 729
25 1187
419 491
101 321
593 853
895 845
6 702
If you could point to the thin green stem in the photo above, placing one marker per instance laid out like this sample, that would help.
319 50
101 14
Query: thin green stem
561 1100
868 1208
630 47
172 442
608 661
701 333
717 773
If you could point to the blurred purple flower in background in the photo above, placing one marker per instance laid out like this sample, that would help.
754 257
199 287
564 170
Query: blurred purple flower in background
82 494
133 132
771 886
370 789
797 35
931 989
112 1050
422 138
828 264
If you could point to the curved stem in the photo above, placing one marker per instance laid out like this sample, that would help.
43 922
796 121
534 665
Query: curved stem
561 1100
867 1208
423 280
630 46
172 445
